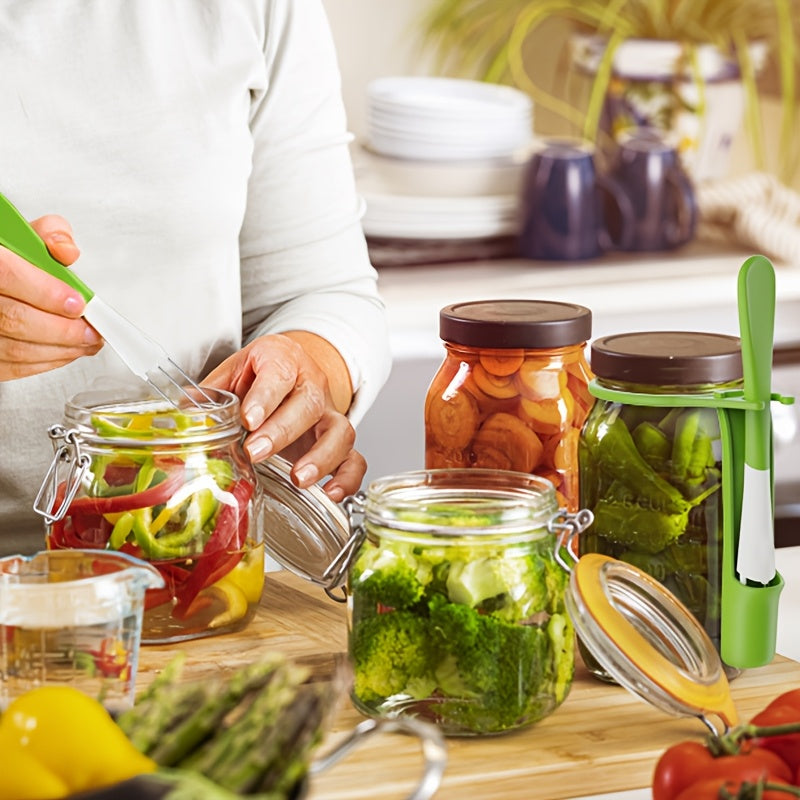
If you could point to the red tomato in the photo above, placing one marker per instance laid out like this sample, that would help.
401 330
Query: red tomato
677 768
686 764
788 746
790 698
710 789
746 767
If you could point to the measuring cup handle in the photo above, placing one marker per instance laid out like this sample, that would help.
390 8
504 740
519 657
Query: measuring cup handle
615 192
434 751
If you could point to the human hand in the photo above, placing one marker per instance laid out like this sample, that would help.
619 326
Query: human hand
288 407
40 316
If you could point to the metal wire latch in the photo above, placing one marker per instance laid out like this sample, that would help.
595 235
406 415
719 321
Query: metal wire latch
68 467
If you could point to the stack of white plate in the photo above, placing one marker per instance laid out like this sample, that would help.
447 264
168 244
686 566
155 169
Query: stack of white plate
427 118
443 158
423 200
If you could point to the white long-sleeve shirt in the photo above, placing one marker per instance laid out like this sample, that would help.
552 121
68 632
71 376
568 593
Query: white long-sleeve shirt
199 150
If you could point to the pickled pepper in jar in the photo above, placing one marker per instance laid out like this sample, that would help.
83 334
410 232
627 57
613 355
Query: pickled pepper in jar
512 392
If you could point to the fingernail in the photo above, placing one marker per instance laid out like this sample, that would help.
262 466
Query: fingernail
259 449
253 417
91 336
336 493
306 474
74 304
59 236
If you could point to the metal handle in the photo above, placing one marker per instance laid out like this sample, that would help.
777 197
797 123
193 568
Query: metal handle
77 462
434 751
567 525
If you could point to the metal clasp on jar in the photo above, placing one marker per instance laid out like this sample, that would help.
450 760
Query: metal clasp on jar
336 572
567 525
69 465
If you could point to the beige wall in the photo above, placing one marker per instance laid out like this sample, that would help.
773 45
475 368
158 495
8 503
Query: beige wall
380 37
374 38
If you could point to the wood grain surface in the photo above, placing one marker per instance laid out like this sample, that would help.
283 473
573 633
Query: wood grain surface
602 739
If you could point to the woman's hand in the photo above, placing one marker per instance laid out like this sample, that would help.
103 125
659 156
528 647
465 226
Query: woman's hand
294 390
40 316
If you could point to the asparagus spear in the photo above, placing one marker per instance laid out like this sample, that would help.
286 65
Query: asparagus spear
154 717
255 722
267 758
186 734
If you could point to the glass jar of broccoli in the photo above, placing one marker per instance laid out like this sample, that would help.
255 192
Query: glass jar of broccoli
456 610
173 487
650 462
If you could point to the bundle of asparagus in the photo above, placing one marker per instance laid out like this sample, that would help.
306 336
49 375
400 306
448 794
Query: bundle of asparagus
252 733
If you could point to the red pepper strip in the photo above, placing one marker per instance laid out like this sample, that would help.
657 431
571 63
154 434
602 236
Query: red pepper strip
132 550
173 576
223 551
57 536
91 530
154 496
108 663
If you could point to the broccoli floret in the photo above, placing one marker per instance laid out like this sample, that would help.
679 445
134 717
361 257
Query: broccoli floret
497 668
391 655
394 578
513 587
556 578
562 650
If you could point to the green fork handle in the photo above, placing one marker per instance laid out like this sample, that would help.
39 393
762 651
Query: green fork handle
18 236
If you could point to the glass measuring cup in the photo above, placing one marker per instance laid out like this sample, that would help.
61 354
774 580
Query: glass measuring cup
72 617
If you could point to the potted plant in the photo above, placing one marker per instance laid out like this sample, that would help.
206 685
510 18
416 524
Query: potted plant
653 62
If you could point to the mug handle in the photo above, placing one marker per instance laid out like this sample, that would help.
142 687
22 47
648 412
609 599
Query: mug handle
614 190
431 740
682 229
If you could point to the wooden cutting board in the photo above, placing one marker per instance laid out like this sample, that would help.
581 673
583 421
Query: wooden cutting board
602 739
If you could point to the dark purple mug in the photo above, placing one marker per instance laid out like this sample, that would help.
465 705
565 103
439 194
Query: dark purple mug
568 210
662 195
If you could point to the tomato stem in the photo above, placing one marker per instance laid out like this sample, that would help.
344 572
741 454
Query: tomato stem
730 743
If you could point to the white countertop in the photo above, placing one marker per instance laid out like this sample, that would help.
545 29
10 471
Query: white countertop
690 289
788 564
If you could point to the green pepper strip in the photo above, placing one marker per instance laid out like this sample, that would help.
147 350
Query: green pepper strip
618 456
200 508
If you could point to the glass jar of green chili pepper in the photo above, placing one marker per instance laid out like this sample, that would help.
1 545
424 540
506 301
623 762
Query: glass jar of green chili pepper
173 487
650 461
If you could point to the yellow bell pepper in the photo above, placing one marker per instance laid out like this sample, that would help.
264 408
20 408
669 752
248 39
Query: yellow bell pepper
63 742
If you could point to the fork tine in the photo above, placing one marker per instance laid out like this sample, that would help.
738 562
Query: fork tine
181 387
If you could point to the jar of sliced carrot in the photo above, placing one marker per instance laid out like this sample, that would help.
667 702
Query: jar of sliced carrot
512 392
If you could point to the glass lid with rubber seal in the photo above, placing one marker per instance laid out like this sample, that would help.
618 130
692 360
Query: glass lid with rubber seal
304 530
647 640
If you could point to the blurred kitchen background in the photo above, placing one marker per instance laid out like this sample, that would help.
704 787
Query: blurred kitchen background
750 166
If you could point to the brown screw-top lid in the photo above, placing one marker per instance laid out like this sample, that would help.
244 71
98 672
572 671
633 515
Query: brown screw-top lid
532 324
671 358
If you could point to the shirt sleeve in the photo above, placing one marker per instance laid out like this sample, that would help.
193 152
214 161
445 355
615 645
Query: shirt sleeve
304 257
